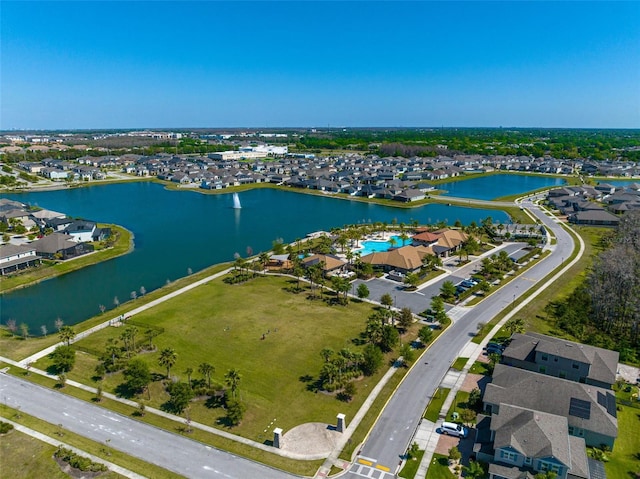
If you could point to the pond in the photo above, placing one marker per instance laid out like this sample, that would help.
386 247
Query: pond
180 231
491 187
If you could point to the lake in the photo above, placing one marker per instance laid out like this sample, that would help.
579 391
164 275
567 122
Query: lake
494 186
175 231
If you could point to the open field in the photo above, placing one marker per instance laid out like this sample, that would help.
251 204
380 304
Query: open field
16 348
224 325
123 245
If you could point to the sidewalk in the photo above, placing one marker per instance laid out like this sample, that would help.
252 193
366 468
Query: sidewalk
45 352
427 436
54 442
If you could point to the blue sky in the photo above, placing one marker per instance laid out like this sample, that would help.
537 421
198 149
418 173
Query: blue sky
276 64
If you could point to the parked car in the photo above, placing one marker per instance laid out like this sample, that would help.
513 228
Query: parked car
468 284
494 349
453 429
494 345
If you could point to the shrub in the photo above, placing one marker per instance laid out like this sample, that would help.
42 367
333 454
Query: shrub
78 462
5 427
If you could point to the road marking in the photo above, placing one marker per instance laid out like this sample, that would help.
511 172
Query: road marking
365 462
418 292
382 468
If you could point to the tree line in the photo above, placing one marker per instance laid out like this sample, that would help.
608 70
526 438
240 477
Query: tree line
605 309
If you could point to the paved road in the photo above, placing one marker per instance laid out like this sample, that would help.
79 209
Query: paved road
379 456
382 451
170 451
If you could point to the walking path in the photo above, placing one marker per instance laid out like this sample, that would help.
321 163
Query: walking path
54 442
426 435
45 352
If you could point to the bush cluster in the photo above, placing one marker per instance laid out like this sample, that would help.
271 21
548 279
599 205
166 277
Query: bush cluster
78 462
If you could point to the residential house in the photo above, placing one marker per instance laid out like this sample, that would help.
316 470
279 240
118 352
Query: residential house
81 230
16 257
563 359
519 442
590 410
60 246
596 217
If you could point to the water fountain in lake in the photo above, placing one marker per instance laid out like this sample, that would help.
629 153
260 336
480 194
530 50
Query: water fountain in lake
236 201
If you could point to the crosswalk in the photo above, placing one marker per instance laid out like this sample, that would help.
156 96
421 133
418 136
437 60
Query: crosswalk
367 467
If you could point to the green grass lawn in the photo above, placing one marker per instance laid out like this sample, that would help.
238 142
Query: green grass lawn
410 467
459 363
458 404
439 468
533 313
224 325
435 405
17 348
24 457
35 457
479 367
625 458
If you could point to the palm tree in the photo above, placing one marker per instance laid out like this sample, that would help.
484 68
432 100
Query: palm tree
514 325
112 349
206 370
167 359
232 379
133 332
404 237
263 258
189 372
150 334
67 334
326 354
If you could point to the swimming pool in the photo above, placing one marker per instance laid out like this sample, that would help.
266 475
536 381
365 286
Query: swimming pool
377 246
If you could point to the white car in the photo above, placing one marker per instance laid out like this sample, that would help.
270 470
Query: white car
454 429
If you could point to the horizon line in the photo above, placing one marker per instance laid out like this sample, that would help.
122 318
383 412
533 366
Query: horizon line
328 127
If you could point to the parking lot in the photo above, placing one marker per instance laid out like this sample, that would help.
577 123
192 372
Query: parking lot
420 299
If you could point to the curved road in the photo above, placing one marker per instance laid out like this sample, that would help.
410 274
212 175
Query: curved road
390 437
384 446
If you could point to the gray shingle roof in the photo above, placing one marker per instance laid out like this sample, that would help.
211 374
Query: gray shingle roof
535 434
552 395
604 362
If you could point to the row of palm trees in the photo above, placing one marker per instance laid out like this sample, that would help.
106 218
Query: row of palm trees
232 377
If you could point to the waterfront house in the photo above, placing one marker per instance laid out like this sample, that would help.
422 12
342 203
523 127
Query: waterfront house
16 257
81 230
60 246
